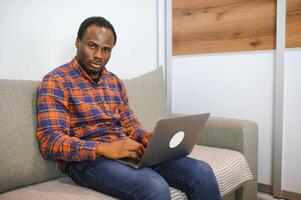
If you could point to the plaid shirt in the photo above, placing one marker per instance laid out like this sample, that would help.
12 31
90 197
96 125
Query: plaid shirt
75 114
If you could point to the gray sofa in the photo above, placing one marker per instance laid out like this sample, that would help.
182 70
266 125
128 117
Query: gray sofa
228 145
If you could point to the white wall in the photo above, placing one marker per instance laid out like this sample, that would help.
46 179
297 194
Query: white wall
240 85
291 176
229 85
37 36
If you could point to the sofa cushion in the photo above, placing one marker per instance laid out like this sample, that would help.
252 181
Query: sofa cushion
20 161
230 168
147 97
65 189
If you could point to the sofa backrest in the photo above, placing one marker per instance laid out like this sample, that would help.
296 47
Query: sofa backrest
20 160
147 97
21 163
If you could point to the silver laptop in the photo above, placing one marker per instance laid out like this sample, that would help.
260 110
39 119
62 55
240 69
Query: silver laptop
172 138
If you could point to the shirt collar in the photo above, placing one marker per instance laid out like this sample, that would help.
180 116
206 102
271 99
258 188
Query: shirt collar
104 72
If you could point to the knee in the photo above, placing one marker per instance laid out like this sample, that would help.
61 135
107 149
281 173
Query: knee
206 172
206 168
156 188
207 180
197 168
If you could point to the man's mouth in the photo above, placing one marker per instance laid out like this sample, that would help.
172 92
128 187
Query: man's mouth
96 65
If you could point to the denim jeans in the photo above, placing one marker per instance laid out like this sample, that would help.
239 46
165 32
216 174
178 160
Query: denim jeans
191 176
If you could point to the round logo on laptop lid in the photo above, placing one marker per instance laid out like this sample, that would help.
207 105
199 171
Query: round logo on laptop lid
176 139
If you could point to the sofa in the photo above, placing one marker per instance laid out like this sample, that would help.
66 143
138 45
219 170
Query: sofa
228 145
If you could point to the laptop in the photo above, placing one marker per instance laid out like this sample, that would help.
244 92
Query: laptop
172 138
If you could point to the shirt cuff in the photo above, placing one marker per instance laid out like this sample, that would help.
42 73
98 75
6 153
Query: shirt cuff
138 135
88 150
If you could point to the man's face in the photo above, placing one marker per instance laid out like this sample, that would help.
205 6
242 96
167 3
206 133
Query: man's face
94 49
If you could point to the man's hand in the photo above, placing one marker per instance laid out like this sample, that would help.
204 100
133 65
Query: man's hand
145 138
125 148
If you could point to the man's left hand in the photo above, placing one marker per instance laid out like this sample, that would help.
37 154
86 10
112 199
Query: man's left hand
145 138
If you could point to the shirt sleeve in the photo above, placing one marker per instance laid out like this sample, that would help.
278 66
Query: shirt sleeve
54 126
129 121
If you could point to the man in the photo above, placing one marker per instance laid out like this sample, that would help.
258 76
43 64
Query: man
85 122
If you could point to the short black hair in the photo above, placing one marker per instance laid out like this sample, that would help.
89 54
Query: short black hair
98 21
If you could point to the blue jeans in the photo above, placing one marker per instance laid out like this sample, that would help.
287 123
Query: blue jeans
107 176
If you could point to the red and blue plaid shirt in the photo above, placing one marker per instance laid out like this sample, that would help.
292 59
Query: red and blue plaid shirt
75 114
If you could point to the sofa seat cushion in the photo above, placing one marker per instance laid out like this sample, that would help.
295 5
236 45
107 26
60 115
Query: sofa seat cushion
230 168
64 188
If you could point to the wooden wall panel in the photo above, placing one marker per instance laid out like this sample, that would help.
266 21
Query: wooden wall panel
293 23
210 26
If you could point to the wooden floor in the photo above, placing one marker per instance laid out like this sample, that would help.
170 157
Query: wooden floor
264 196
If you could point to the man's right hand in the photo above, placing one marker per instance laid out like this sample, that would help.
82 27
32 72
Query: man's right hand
125 148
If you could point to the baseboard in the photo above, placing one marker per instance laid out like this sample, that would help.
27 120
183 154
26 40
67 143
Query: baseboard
265 188
285 194
291 195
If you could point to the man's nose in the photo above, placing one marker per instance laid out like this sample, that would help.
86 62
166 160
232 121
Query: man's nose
98 54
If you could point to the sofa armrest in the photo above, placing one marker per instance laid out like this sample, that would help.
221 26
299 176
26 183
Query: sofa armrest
235 134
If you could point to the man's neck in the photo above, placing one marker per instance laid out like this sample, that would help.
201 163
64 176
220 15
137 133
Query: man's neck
95 79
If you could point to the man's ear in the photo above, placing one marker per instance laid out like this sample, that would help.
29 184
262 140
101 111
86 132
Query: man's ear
77 42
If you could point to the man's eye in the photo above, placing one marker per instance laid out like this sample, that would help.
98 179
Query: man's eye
92 46
107 50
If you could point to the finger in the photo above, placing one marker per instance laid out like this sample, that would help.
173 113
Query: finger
138 148
141 148
134 155
146 138
145 141
135 146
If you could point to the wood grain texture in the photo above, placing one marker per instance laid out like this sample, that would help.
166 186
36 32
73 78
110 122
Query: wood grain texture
211 26
293 23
